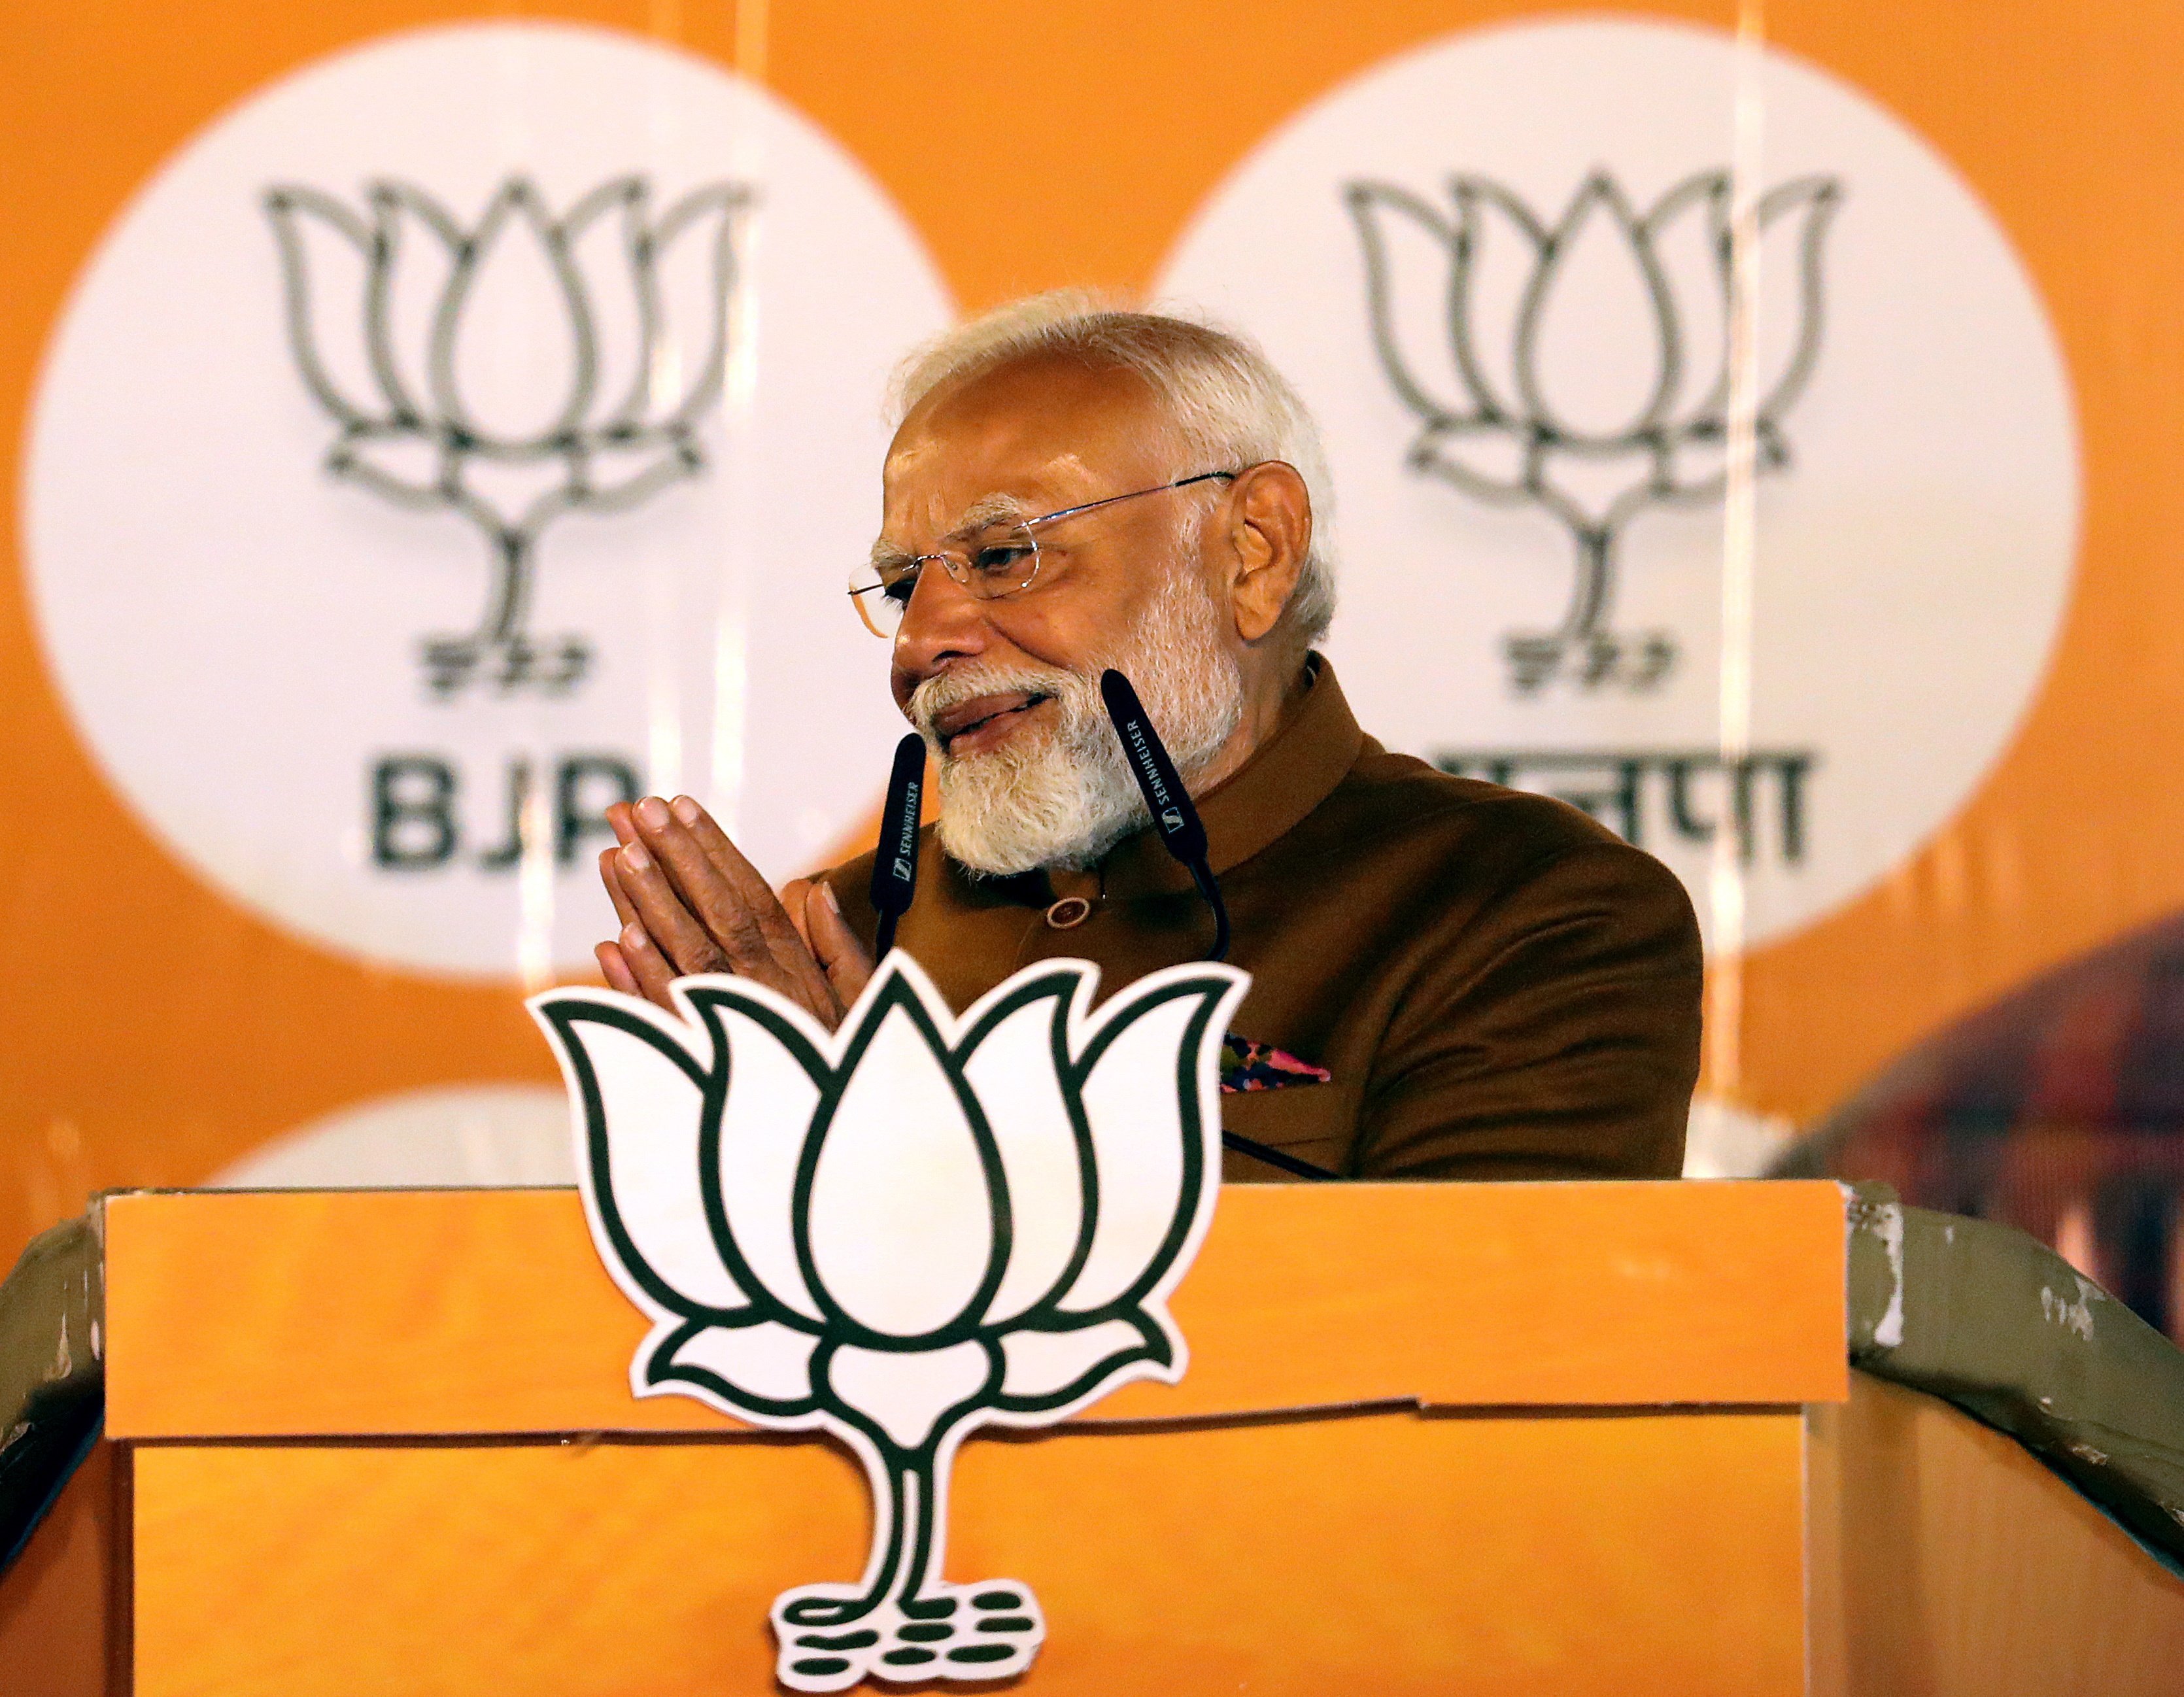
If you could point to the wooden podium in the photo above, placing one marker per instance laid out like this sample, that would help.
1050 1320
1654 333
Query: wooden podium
1512 1438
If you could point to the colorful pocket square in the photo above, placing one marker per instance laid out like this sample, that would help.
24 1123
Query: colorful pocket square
1247 1065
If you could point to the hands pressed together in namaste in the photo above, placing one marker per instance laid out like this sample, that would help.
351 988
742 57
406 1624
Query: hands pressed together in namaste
689 902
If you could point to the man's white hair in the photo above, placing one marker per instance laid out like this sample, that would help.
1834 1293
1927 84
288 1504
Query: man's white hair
1230 407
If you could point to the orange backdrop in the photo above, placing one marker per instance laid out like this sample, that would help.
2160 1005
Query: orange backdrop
154 1032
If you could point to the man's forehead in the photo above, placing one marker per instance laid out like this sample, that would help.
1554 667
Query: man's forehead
1036 431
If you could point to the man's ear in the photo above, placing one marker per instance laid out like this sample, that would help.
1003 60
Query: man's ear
1269 520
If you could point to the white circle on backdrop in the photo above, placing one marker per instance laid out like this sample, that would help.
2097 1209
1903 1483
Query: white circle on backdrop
241 633
1913 549
447 1136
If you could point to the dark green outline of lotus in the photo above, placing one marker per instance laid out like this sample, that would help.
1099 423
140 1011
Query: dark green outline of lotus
1054 1319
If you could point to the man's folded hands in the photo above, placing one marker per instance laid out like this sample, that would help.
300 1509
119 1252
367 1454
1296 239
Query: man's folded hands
690 902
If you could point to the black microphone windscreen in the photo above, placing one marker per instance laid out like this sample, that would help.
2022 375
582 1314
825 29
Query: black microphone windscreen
1166 799
895 866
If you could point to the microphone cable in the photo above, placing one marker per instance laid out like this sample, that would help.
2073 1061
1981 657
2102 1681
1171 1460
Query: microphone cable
1183 834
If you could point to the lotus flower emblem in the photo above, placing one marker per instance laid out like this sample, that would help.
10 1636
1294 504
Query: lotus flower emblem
1583 364
897 1232
511 369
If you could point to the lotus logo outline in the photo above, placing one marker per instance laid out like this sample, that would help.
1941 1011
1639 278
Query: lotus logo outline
897 1232
1487 342
385 323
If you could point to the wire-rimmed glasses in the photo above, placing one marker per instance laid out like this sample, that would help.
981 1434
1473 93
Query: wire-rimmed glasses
998 559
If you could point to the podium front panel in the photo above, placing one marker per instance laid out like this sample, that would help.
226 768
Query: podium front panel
1507 1438
1607 1552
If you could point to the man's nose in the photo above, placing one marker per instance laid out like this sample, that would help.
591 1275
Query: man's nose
943 622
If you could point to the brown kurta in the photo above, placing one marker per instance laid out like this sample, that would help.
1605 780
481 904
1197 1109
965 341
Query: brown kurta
1500 987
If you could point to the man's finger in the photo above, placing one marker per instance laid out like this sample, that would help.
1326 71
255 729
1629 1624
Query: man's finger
624 911
649 970
666 923
739 874
841 956
614 963
619 823
733 903
616 969
705 890
793 894
788 944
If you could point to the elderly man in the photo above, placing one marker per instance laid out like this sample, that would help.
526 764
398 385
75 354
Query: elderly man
1450 980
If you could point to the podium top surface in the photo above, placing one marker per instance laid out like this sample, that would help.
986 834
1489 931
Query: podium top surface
413 1313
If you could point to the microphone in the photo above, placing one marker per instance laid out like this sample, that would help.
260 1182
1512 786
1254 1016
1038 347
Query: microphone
895 866
1183 834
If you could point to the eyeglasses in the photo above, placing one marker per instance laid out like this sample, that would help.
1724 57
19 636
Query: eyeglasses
1003 560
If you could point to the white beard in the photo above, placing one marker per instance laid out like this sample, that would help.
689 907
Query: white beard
1064 797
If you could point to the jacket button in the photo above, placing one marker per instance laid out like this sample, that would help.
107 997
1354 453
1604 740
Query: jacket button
1069 912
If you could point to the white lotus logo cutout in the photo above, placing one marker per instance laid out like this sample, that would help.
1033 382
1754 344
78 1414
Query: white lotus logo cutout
897 1232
